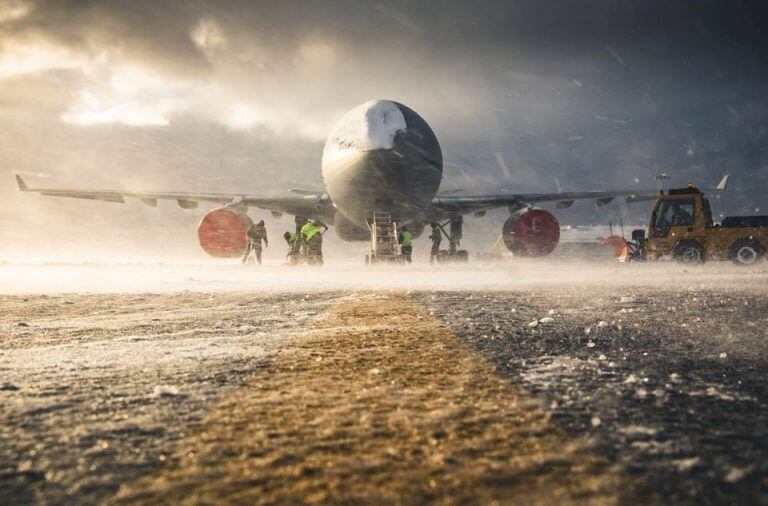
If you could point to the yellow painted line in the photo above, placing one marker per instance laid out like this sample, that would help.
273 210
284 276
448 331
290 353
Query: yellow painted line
379 403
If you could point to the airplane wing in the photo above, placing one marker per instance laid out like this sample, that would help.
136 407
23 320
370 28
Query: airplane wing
446 205
309 205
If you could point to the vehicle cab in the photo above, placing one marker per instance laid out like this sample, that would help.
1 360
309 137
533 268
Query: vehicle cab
678 225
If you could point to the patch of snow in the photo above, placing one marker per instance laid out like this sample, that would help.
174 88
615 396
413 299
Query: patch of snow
719 394
631 379
654 447
686 464
638 430
551 370
364 296
165 391
735 474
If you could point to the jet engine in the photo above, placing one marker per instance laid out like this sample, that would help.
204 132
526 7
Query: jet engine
222 232
531 232
348 231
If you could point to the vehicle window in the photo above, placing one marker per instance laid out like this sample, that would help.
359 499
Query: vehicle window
662 219
707 213
673 213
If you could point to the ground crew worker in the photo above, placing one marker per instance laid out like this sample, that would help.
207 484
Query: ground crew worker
436 236
406 243
294 246
312 238
254 235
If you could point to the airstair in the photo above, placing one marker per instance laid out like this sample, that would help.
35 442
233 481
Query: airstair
384 244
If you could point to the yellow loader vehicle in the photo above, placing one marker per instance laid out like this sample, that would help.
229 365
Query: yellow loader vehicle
681 228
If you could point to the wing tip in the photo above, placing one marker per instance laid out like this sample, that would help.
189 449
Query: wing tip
20 183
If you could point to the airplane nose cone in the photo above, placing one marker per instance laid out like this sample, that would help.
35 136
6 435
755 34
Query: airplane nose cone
382 156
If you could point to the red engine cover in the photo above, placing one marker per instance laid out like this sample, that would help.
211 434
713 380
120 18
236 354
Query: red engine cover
531 232
222 232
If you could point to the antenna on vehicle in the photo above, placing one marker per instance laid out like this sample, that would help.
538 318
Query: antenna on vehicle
621 224
661 176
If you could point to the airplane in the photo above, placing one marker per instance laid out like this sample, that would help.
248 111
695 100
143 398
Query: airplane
381 160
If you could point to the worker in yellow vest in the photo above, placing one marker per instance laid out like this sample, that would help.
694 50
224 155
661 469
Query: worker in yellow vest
312 238
294 247
406 243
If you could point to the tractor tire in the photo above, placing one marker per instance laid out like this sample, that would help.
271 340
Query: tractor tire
746 252
689 252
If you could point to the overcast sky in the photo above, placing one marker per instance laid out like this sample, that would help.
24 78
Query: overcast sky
238 96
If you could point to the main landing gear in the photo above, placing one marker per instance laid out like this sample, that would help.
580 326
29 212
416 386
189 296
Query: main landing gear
454 236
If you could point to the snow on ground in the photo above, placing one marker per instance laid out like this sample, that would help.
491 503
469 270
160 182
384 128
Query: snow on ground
517 274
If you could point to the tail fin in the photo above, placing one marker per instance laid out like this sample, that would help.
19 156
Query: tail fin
723 184
20 182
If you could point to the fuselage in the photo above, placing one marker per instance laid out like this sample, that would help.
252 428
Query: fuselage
382 157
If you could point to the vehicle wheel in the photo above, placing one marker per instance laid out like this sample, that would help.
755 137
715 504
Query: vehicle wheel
746 252
689 253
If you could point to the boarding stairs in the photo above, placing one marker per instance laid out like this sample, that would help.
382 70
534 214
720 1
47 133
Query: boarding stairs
384 244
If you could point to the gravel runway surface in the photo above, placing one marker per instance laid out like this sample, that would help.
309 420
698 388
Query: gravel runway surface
379 404
671 384
648 393
96 390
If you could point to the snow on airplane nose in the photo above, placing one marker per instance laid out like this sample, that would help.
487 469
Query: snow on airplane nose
382 156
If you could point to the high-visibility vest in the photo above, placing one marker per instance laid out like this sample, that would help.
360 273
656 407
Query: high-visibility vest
293 237
309 230
407 238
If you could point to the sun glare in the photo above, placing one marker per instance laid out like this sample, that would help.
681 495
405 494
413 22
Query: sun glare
90 110
12 10
25 58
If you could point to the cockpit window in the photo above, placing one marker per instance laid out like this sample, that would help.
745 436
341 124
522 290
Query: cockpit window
673 213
